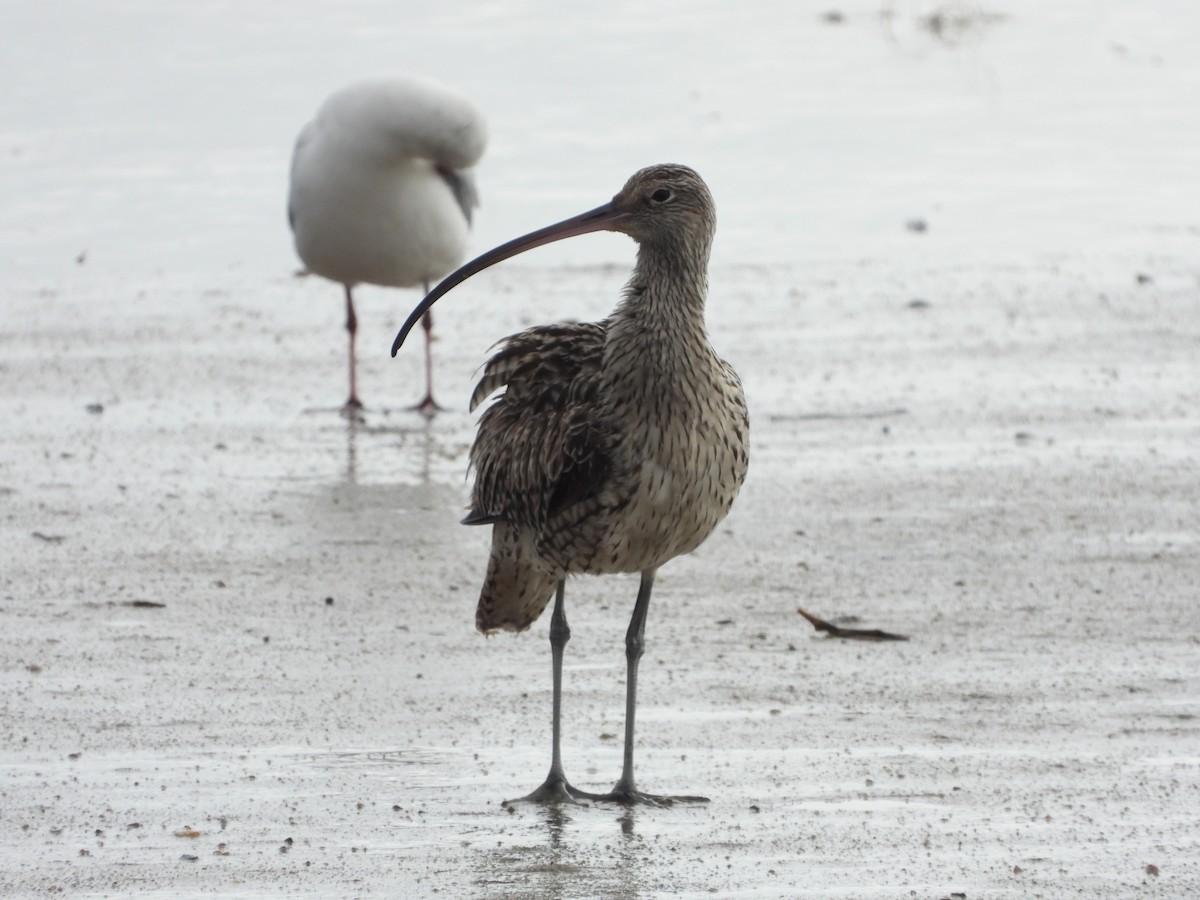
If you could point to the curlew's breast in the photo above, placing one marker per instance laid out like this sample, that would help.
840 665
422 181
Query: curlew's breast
685 464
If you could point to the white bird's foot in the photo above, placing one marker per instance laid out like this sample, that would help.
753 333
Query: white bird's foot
428 407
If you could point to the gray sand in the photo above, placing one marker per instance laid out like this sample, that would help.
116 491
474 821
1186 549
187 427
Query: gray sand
1008 475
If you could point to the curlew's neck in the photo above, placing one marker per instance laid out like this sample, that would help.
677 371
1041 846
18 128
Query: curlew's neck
667 290
657 334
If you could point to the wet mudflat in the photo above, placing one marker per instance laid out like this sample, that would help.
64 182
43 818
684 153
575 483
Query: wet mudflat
1006 472
956 268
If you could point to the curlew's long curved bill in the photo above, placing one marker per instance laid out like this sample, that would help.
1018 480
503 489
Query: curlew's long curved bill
602 218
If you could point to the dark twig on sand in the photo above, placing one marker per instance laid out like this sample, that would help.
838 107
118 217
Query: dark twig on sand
854 634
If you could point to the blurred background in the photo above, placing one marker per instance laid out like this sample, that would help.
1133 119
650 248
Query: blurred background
141 138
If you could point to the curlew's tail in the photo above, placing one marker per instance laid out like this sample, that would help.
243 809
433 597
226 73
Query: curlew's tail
518 584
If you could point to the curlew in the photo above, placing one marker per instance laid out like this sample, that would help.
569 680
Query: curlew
381 193
615 446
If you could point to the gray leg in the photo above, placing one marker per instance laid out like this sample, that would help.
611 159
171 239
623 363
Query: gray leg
556 788
560 633
635 646
626 790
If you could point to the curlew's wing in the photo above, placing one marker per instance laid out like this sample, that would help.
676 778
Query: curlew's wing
541 365
538 451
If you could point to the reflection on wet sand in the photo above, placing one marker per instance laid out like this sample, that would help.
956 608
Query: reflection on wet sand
406 448
566 863
397 443
414 447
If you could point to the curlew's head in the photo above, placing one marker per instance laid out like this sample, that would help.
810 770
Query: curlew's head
665 208
665 205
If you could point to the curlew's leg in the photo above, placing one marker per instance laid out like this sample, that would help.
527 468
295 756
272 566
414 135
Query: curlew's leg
626 790
556 788
428 406
352 404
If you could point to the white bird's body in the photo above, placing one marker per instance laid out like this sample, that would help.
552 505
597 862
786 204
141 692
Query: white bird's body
379 188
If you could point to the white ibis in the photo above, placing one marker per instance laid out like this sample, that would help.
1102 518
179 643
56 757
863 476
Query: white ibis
381 192
616 446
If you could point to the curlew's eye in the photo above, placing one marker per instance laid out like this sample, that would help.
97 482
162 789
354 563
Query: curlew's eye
662 195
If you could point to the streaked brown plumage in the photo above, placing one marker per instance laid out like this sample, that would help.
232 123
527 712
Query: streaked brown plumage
615 446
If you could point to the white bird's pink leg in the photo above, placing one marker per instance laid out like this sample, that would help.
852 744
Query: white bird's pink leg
428 406
352 404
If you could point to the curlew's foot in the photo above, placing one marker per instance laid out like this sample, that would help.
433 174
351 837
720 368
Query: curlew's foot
554 791
626 794
627 797
428 407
